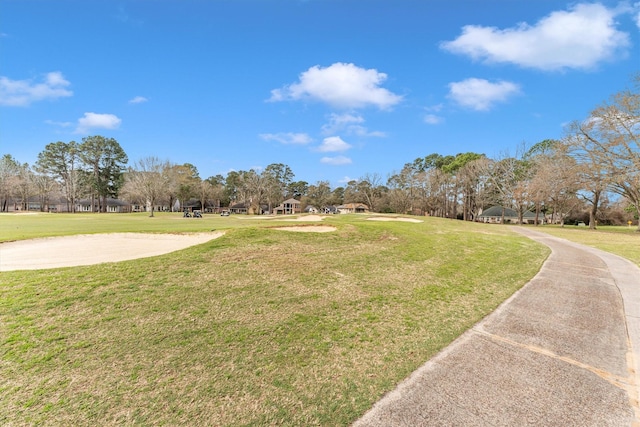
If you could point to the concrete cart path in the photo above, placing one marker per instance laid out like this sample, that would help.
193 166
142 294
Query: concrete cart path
562 351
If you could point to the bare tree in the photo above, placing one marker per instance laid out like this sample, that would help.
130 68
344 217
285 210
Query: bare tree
594 175
369 186
44 187
147 181
402 189
9 176
474 176
613 131
24 185
252 189
466 167
217 189
507 182
555 181
414 189
206 192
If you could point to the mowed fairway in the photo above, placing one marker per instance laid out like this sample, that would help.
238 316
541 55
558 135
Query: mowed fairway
622 241
258 327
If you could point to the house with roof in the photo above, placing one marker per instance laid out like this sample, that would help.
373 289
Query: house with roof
113 205
330 209
239 208
192 205
352 208
245 208
495 215
288 207
34 203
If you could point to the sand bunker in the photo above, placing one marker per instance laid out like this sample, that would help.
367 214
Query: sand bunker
307 218
88 249
393 218
308 229
281 217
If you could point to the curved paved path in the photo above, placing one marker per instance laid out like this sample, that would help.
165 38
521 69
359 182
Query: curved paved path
562 351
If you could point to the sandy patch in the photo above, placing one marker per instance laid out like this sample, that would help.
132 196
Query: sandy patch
308 229
307 218
250 217
23 213
393 218
88 249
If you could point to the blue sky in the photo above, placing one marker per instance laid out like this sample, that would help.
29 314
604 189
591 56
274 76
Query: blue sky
336 89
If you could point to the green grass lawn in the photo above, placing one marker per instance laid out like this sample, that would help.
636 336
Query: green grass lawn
26 226
258 327
623 241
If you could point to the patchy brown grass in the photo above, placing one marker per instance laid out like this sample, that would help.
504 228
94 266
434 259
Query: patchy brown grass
258 327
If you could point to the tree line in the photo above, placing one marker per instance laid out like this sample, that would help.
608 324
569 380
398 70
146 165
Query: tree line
594 168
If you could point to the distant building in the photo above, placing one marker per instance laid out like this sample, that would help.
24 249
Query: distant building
352 208
495 215
288 207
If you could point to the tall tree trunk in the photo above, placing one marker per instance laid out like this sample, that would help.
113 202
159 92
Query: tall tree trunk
594 210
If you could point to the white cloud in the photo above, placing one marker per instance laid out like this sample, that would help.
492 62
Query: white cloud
138 100
338 122
287 138
349 124
433 119
333 144
631 9
336 161
340 85
480 94
94 120
21 93
579 38
363 131
61 124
